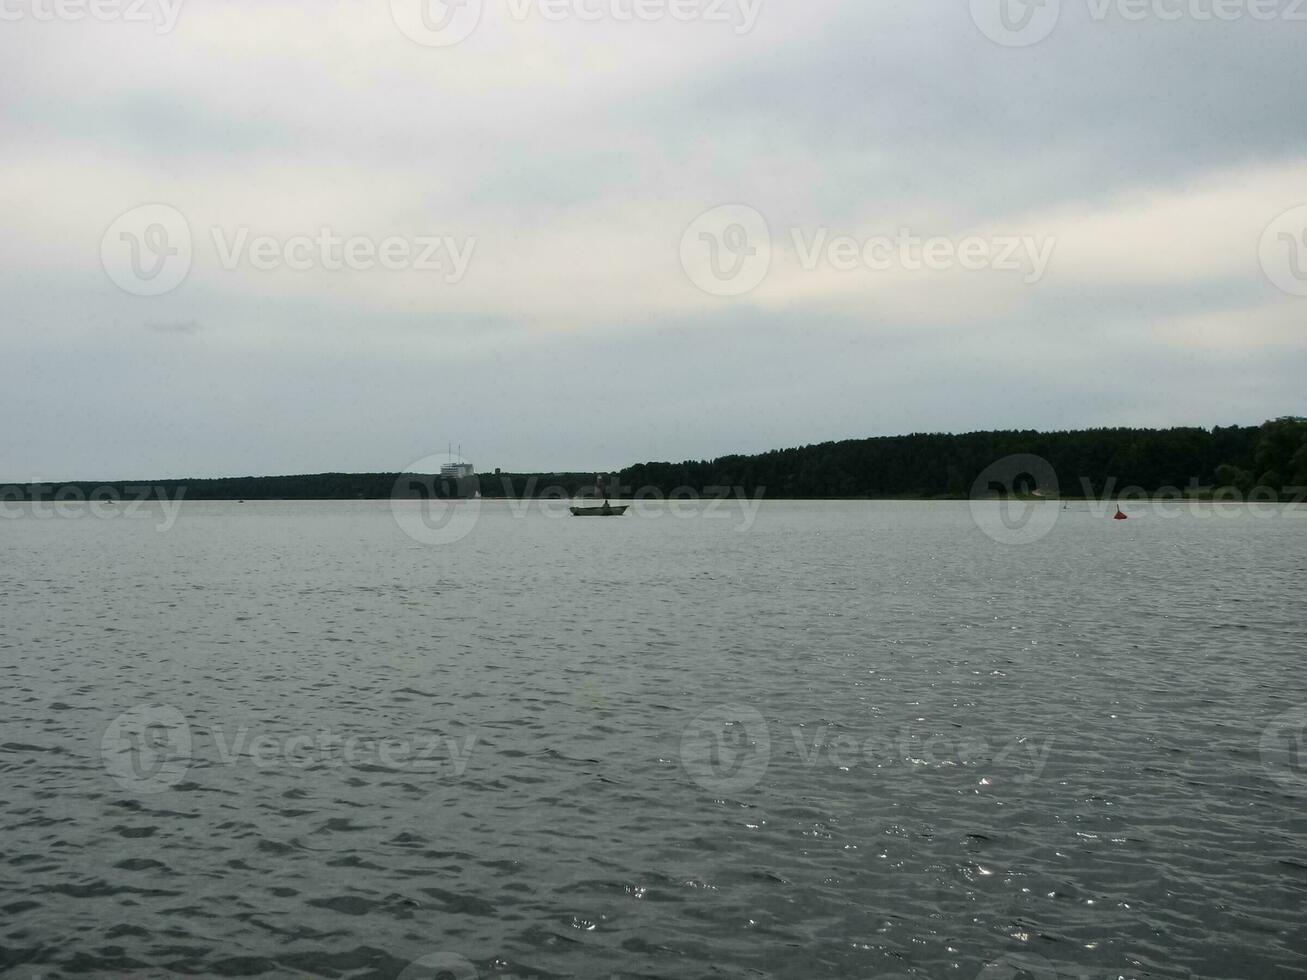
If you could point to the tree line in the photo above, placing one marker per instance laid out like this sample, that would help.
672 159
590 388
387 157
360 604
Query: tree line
924 465
1090 461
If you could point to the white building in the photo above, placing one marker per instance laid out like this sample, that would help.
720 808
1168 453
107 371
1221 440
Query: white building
457 471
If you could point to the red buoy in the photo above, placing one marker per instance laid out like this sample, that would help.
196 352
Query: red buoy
1120 516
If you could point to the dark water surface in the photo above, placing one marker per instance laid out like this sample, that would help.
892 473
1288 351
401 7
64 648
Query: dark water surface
854 740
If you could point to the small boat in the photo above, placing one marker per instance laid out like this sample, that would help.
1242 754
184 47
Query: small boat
607 510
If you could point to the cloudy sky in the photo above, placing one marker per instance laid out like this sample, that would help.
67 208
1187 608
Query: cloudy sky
288 236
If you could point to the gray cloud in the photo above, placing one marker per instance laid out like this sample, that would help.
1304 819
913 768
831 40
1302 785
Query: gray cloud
183 328
576 155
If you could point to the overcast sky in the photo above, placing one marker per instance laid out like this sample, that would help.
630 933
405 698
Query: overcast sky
1113 201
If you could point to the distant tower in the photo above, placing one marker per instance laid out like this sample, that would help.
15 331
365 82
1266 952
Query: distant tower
457 471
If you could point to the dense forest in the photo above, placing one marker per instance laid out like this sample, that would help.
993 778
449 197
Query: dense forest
318 486
1087 462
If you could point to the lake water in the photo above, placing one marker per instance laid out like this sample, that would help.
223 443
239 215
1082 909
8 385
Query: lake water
822 740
